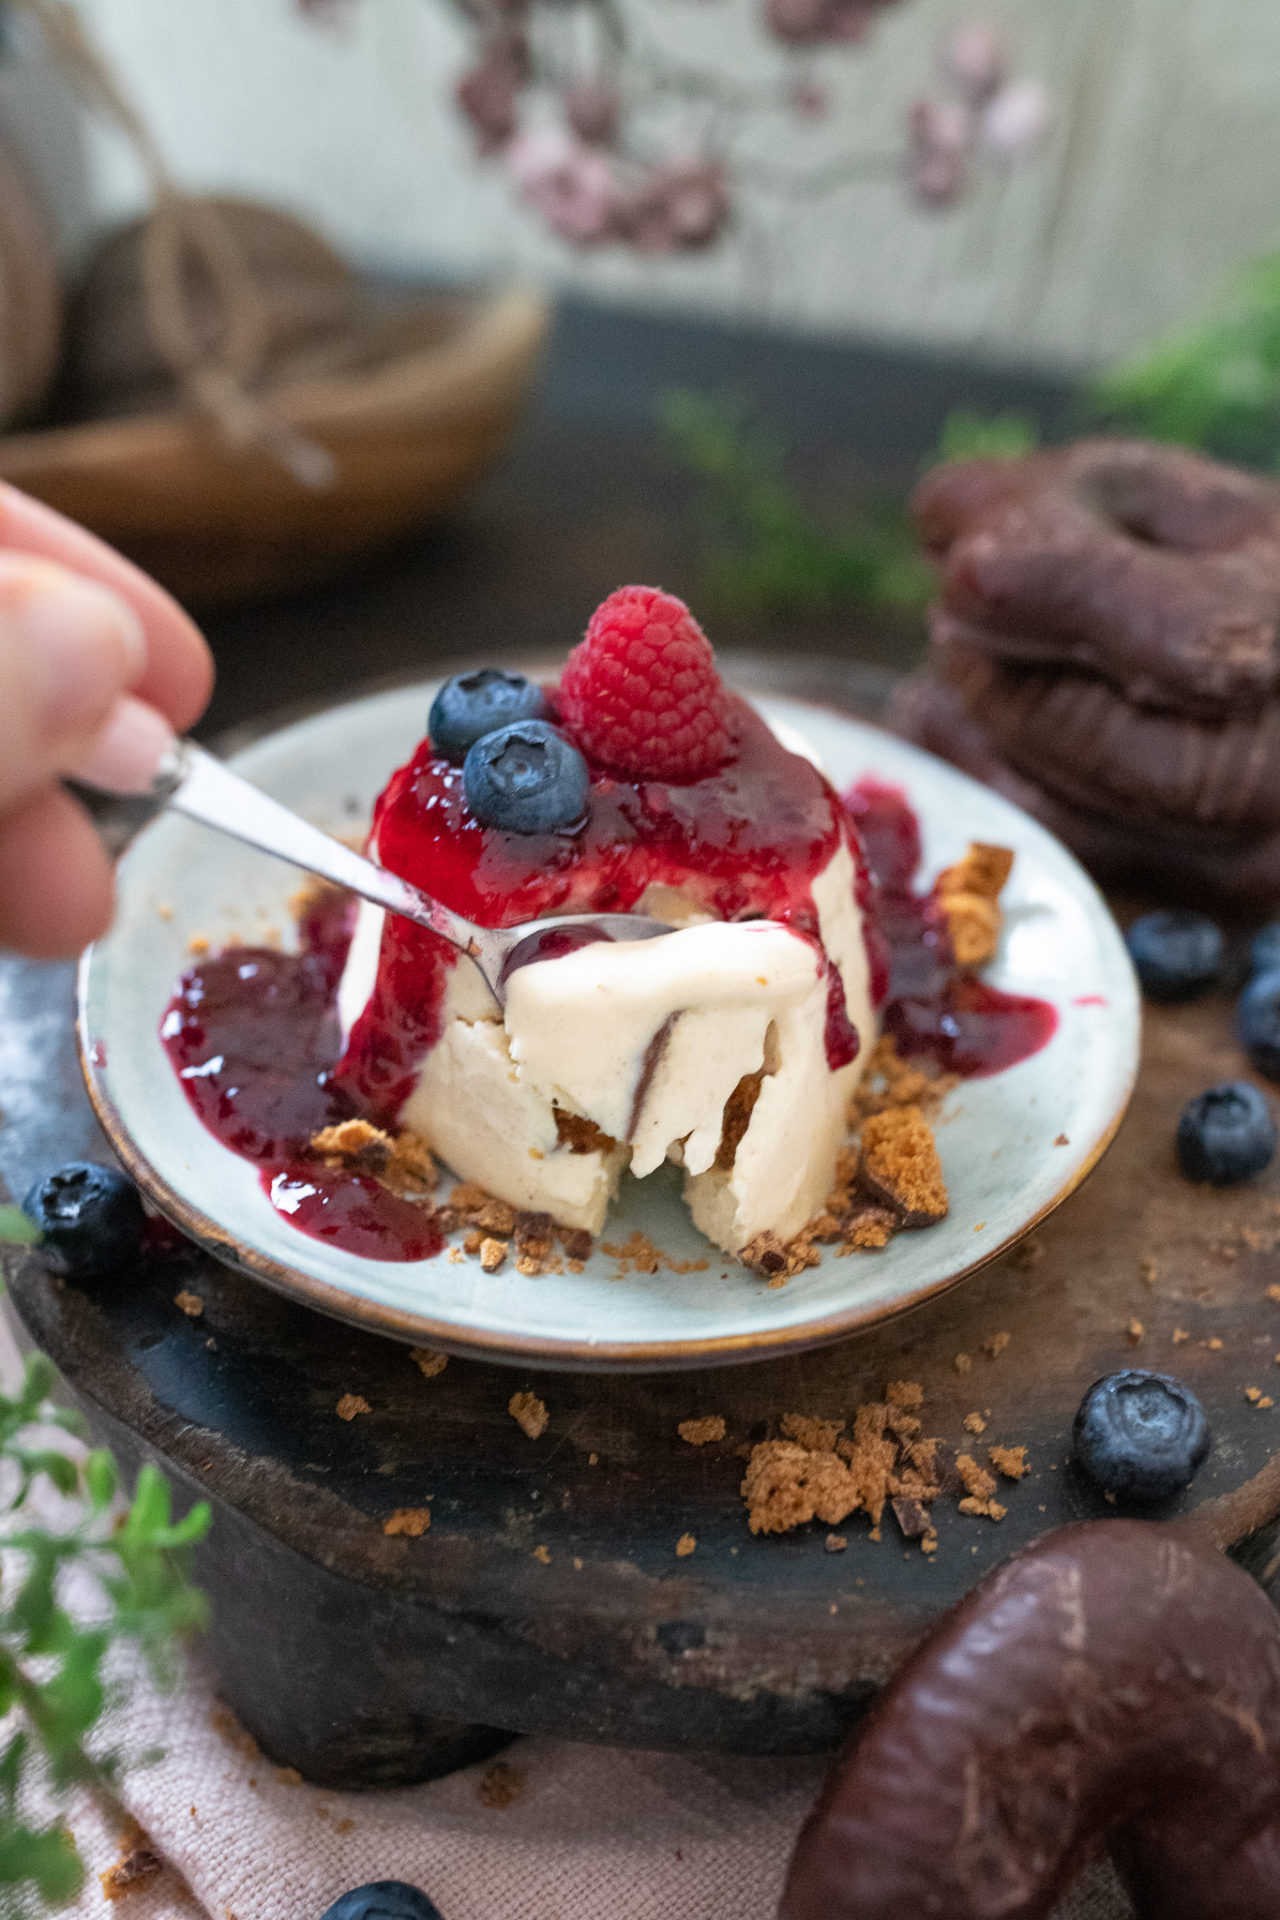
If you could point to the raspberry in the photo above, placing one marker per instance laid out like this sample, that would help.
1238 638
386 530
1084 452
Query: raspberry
641 693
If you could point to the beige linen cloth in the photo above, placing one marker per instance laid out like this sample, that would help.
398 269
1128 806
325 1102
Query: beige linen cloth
592 1833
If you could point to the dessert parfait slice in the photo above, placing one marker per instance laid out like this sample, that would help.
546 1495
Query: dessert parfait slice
731 1046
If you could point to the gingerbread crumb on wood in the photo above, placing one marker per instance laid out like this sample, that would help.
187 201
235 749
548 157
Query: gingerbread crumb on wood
350 1405
529 1413
1010 1462
818 1435
899 1167
701 1432
980 1487
429 1361
412 1522
787 1485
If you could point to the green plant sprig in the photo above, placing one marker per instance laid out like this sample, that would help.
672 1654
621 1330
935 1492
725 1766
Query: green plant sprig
53 1687
765 549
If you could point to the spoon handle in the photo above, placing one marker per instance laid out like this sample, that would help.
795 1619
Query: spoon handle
191 781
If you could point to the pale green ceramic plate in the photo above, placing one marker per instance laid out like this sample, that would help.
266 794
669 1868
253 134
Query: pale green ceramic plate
999 1139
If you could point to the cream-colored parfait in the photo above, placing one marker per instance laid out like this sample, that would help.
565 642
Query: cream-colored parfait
730 1045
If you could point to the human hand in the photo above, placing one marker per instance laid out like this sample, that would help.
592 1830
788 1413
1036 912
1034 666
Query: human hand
97 666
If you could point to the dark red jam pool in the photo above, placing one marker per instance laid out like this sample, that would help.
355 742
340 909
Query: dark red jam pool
253 1034
932 1008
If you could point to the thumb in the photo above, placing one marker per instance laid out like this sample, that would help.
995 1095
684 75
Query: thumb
69 649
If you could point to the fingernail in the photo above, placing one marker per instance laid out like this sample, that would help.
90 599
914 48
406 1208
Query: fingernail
81 642
127 753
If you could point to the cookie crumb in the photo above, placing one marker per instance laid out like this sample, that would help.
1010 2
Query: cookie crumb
500 1785
836 1543
198 944
139 1864
429 1361
980 1487
228 1728
1027 1255
899 1166
905 1393
1148 1270
685 1546
1009 1461
1133 1332
962 1363
974 1423
996 1345
818 1436
968 894
410 1521
288 1776
543 1554
529 1413
701 1432
350 1405
492 1254
1179 1335
787 1485
191 1303
777 1260
1061 1140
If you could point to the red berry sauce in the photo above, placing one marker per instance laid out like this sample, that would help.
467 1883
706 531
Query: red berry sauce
254 1036
933 1008
747 843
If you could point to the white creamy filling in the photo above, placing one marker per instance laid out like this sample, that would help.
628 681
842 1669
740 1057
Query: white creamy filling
648 1040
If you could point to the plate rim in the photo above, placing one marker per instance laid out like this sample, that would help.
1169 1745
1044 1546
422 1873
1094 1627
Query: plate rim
548 1352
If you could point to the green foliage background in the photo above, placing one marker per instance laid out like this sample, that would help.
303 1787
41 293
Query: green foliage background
53 1684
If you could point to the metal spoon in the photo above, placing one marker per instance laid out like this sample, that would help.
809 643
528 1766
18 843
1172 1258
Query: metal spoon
191 781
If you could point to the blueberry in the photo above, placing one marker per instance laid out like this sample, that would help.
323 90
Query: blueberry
1226 1134
383 1900
1140 1435
90 1218
526 778
1176 955
1264 949
1258 1023
473 704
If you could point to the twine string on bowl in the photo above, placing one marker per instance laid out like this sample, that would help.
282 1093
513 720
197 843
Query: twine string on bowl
216 373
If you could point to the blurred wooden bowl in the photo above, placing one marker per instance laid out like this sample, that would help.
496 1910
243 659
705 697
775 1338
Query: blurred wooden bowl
421 408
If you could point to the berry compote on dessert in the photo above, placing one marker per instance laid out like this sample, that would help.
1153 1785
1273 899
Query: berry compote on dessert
731 1045
645 785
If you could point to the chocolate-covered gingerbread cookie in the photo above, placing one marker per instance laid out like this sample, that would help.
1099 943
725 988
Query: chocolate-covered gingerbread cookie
1147 566
1174 860
1116 1682
1078 736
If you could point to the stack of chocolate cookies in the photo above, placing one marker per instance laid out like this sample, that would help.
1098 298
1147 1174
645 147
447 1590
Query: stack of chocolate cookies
1106 651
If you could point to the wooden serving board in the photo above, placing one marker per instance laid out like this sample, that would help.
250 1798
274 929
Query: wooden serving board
548 1594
